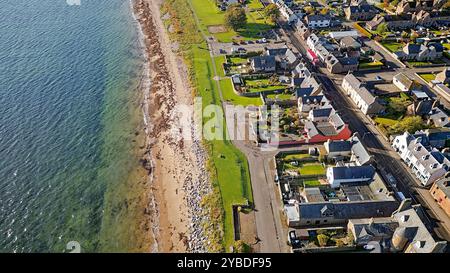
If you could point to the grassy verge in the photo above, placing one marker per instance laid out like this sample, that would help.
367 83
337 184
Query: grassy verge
227 165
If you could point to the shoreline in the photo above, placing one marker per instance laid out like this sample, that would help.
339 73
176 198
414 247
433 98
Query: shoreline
177 167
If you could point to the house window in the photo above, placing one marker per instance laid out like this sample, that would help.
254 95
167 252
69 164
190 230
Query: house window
308 222
317 222
325 221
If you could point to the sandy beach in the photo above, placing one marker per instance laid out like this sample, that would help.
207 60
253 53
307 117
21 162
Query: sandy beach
176 166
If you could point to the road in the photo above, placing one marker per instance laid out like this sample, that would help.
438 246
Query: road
386 159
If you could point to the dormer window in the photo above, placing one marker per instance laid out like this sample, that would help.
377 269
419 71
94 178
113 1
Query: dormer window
433 166
405 218
425 157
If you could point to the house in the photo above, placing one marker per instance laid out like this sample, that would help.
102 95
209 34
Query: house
337 35
412 235
302 29
316 214
363 12
349 174
308 103
372 229
318 21
443 76
350 43
360 155
324 124
420 52
367 102
284 57
438 138
426 162
264 64
338 148
393 22
441 193
403 82
438 118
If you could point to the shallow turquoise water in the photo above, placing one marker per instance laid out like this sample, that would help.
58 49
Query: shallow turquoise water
68 78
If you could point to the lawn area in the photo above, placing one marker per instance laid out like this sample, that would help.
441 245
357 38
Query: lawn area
311 183
229 95
297 156
385 121
428 77
255 4
312 169
370 65
280 96
425 63
446 45
392 46
210 15
261 85
238 60
227 166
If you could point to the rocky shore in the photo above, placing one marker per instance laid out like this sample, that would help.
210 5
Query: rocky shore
177 166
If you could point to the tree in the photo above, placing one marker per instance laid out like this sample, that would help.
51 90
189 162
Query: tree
404 34
323 239
410 124
272 12
382 28
414 36
399 105
235 17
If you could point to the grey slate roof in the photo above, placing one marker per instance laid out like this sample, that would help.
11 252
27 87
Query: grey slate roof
339 146
359 151
264 61
348 210
353 172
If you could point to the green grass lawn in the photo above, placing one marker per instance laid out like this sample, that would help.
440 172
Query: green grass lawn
298 156
210 15
392 46
428 77
238 60
261 85
385 121
425 63
255 4
312 169
311 183
229 95
371 65
280 96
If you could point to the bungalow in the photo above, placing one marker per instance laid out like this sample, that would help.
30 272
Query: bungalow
367 102
350 43
441 193
265 64
438 118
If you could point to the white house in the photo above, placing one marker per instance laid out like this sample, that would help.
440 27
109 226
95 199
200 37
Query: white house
428 164
361 96
318 21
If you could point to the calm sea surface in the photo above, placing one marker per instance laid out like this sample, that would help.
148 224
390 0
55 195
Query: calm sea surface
69 113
